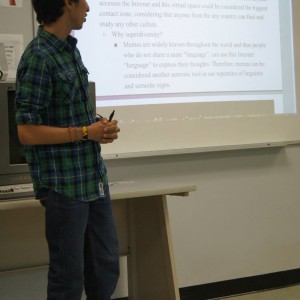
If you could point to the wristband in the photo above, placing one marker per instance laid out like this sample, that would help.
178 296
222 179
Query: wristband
85 134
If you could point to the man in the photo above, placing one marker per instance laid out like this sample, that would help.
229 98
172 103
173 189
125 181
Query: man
61 139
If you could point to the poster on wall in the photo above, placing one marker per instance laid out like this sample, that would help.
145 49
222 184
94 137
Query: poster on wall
11 3
13 48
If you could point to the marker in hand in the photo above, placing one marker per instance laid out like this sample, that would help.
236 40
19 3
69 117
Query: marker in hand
111 116
99 117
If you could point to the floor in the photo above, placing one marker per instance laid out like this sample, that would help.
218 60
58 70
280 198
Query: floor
289 293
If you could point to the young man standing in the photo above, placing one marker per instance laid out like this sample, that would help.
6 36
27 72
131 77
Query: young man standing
61 137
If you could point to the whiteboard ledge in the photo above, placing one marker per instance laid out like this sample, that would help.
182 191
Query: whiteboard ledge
197 150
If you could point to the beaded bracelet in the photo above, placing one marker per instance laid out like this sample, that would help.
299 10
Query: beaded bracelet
70 134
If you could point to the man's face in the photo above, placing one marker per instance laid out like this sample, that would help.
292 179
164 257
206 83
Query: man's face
79 13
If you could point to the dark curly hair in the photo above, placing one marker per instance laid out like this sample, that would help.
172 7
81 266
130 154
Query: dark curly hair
48 11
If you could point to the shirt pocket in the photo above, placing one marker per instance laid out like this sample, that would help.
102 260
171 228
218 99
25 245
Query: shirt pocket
64 88
64 95
84 81
85 73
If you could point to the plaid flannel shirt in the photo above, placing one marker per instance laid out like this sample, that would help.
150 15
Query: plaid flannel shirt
52 89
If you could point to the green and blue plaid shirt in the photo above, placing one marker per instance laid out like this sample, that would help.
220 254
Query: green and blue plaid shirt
52 89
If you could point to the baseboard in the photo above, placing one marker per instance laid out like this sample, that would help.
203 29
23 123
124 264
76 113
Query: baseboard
239 286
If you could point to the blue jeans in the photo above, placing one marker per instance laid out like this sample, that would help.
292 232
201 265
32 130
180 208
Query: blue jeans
83 248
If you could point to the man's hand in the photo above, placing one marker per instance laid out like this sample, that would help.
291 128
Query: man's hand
103 131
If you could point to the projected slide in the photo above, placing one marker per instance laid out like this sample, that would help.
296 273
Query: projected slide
143 52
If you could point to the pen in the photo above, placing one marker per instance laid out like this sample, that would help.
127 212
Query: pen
111 116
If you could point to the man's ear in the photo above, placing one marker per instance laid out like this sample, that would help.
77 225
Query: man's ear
68 4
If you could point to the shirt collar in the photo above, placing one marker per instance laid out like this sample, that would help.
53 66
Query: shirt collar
57 42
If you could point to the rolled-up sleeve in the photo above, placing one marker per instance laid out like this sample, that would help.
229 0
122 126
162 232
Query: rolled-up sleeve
33 91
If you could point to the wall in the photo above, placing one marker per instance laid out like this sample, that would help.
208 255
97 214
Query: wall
17 20
243 219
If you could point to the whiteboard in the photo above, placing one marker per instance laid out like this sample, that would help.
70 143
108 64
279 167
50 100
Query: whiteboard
191 126
186 124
